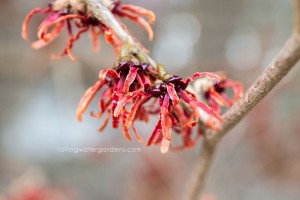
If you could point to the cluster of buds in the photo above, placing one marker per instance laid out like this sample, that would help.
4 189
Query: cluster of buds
133 84
75 14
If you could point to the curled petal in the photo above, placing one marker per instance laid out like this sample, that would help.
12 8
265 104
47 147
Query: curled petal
142 113
43 29
214 105
80 31
143 81
165 143
130 78
50 18
146 26
238 90
202 74
189 100
181 115
136 134
173 94
51 36
187 138
123 102
217 97
192 102
139 80
159 139
87 98
102 105
115 100
188 141
120 86
166 121
132 112
141 21
124 128
28 18
236 86
105 121
94 34
67 50
191 121
72 40
111 38
141 11
106 94
191 94
108 72
208 110
155 134
175 124
227 99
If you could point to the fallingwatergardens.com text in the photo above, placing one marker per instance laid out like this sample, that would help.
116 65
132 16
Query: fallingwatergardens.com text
77 150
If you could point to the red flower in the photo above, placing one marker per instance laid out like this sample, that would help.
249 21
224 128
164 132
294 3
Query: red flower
216 96
75 15
128 78
129 88
172 114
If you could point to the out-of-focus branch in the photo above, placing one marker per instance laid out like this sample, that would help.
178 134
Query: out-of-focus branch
280 66
102 13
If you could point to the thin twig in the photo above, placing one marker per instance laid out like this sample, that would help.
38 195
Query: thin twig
281 65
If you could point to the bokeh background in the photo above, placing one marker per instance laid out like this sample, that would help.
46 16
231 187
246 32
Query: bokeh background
259 159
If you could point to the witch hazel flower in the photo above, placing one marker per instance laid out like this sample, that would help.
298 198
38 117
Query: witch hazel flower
215 93
76 18
128 78
178 108
133 90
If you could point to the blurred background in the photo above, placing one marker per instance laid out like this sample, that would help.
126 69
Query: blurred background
259 159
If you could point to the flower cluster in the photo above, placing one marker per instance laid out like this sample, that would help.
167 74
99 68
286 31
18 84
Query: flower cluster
126 78
75 14
133 91
215 93
179 110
